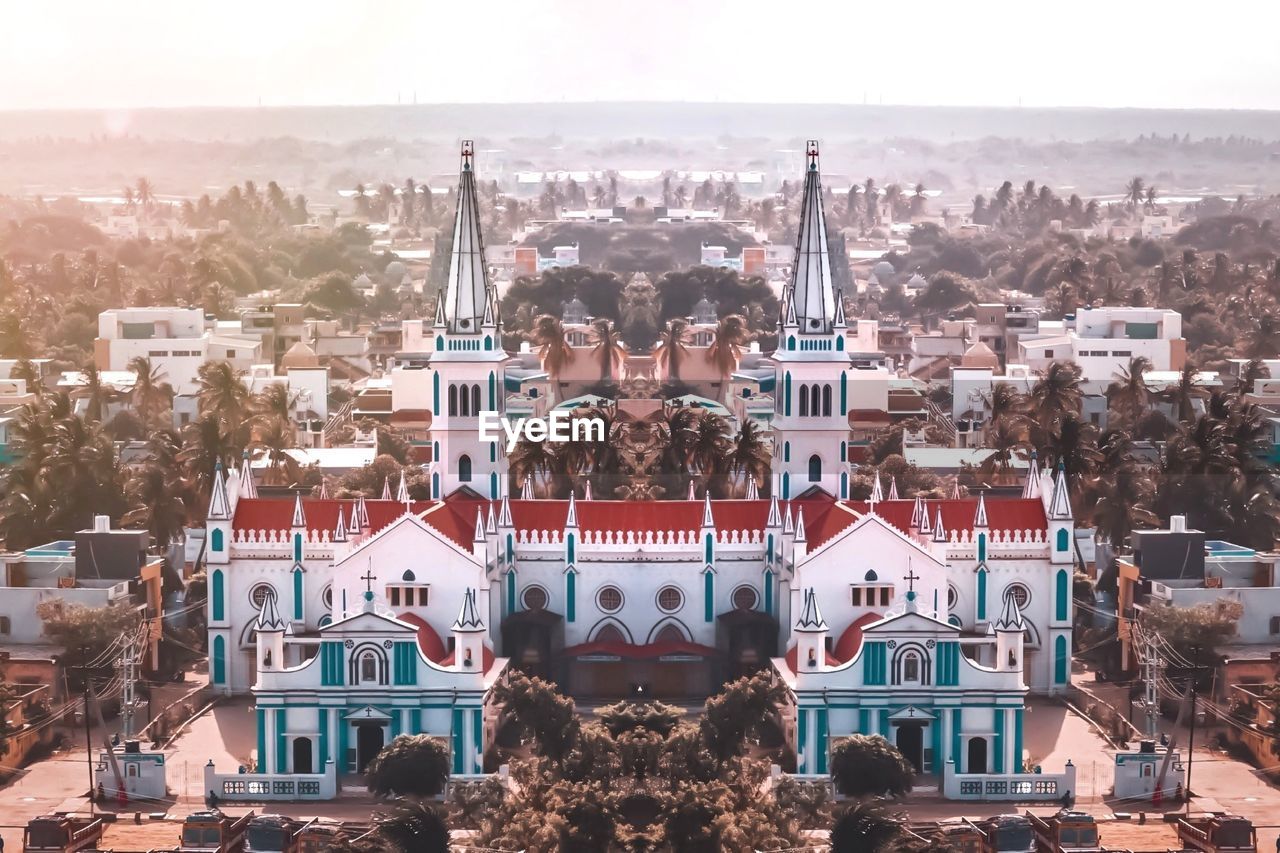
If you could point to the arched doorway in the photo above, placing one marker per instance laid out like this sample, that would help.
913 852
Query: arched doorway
911 744
369 742
977 755
302 762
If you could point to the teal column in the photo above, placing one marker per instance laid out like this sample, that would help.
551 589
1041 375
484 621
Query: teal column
709 595
936 728
262 741
570 595
820 739
884 722
456 740
1000 740
282 744
768 591
511 591
397 728
982 594
1017 741
341 758
864 721
324 736
477 738
297 594
956 754
415 721
802 739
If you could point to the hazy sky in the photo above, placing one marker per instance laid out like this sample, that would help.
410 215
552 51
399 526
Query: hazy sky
140 53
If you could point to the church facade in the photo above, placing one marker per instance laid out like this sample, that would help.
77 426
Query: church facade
352 621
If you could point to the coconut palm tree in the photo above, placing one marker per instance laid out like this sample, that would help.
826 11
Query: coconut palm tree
1073 445
274 402
710 451
673 347
608 348
95 393
549 334
732 333
1055 395
222 393
749 455
1135 192
1123 495
1183 394
1263 338
537 459
1129 396
150 396
205 443
274 437
145 195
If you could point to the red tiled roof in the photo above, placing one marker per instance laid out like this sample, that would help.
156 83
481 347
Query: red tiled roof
428 640
322 515
639 515
823 521
851 640
644 652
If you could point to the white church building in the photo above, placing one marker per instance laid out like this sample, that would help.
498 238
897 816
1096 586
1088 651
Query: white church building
351 621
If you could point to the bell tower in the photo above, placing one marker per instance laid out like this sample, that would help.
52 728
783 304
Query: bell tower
811 363
467 361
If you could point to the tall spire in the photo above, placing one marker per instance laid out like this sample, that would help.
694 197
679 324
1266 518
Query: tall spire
753 491
925 526
386 488
571 519
219 505
339 529
1060 503
775 517
526 489
467 291
980 516
1010 617
269 615
800 535
939 532
707 519
504 515
877 495
919 514
299 516
248 489
1031 487
811 291
893 488
402 493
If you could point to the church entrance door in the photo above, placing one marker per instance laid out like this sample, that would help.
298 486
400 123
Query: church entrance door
911 744
369 742
302 755
977 755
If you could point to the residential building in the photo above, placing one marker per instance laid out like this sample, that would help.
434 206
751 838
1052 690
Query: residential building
176 341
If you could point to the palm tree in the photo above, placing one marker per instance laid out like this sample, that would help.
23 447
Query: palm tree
95 393
150 395
732 333
1183 394
414 827
1123 495
537 459
608 348
1129 396
154 494
274 402
1005 403
1074 447
25 369
1253 371
1152 195
673 347
222 393
1263 338
548 333
1135 191
710 449
145 195
275 436
748 454
1008 438
1055 395
205 444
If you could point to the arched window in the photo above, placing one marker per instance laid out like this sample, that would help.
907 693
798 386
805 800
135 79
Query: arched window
804 401
216 539
464 402
453 400
826 401
911 667
1064 539
610 634
368 668
791 342
464 469
475 400
814 397
815 469
669 633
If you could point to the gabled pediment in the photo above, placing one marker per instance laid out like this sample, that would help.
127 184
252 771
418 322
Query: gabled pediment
368 623
410 541
910 622
872 534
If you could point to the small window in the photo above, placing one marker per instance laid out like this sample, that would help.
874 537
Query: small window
670 599
885 593
464 469
745 598
409 597
911 667
1021 595
535 598
6 626
258 595
857 596
609 599
368 667
395 596
1275 625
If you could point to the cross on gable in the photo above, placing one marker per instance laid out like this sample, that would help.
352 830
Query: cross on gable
911 578
368 579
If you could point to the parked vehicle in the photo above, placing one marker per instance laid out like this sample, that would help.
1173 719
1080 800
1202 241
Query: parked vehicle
1218 832
1066 832
1007 833
213 832
63 833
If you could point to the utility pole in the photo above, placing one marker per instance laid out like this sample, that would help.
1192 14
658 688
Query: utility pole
1191 736
128 697
1151 666
88 728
